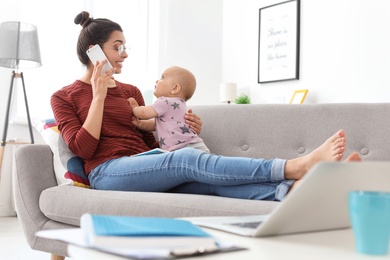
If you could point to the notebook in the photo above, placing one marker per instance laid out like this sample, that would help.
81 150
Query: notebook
123 232
318 203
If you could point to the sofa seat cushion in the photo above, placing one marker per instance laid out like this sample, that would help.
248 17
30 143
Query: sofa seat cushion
66 204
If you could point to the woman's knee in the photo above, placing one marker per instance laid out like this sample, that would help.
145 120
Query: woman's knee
188 154
187 151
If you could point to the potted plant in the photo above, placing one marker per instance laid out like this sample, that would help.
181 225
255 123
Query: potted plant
243 99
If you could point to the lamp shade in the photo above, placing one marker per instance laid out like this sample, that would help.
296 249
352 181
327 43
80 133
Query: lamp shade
227 92
19 45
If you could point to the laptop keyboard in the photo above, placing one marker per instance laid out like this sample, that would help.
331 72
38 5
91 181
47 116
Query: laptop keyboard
246 224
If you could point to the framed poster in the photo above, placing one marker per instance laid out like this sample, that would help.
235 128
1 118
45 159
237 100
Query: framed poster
279 42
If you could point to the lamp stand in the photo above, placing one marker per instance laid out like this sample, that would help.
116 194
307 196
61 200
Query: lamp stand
4 140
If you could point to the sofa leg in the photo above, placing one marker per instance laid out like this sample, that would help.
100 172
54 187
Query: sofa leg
57 257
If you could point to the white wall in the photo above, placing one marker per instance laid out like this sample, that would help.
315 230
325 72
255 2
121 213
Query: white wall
190 35
345 54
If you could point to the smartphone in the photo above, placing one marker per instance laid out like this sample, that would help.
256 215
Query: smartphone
96 54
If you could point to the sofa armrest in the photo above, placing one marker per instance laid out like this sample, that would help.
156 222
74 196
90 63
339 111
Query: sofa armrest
34 173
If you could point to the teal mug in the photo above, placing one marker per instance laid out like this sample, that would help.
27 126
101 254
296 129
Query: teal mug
370 219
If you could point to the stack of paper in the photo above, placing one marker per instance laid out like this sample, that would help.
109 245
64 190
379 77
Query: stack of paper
140 237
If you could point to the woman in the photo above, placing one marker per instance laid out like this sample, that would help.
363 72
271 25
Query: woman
95 120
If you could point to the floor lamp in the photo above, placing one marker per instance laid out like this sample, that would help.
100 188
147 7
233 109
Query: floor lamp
19 49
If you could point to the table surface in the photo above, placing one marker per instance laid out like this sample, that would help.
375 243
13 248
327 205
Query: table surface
336 244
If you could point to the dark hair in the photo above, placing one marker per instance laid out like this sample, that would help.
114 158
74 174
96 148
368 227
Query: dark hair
95 31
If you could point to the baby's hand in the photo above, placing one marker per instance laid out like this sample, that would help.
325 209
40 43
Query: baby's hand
133 102
135 121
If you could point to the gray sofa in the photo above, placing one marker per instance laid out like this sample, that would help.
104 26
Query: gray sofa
272 130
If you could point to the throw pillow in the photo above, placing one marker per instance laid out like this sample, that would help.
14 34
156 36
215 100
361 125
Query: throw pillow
68 168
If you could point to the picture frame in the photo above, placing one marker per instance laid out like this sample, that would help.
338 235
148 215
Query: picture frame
279 42
299 96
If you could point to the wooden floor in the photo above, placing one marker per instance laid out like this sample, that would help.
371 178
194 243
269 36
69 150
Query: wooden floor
13 245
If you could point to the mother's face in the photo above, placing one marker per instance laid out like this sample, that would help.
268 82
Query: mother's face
115 50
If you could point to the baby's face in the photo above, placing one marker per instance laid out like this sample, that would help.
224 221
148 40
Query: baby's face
165 84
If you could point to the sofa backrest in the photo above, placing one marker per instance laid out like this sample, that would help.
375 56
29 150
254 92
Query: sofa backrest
288 131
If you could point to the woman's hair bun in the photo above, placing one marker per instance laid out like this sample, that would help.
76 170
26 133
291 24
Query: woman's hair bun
83 19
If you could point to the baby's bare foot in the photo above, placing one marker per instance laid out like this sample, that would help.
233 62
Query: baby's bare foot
331 150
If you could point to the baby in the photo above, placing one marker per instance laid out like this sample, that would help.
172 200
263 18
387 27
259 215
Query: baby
173 89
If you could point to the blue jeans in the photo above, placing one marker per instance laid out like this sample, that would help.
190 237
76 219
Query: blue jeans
189 170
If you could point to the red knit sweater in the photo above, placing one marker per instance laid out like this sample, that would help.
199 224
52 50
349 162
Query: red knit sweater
119 137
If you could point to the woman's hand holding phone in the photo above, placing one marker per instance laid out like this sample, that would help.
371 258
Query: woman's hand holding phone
101 82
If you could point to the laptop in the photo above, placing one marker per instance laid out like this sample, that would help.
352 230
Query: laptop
318 203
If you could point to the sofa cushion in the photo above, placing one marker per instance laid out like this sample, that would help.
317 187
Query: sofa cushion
69 168
66 204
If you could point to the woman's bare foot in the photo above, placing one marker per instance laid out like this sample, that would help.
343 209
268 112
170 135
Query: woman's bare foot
353 157
331 150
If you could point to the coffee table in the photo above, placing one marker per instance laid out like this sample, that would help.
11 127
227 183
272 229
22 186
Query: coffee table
336 244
